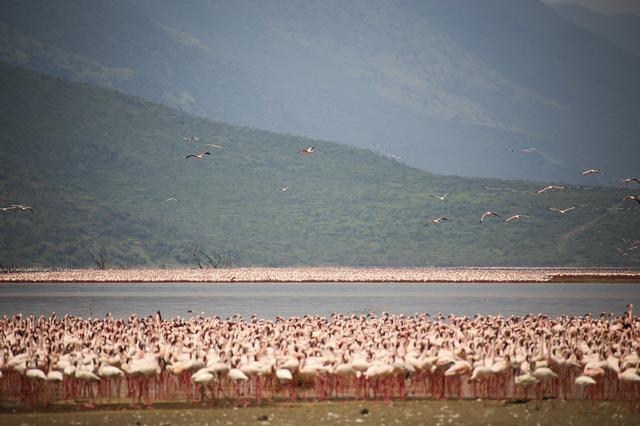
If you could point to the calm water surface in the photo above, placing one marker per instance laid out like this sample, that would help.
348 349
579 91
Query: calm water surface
269 300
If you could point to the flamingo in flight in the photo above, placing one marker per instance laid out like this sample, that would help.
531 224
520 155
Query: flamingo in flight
489 213
436 221
307 151
590 172
438 197
551 188
199 156
562 211
516 217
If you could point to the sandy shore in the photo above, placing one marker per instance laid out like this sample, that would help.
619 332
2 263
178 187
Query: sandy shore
327 274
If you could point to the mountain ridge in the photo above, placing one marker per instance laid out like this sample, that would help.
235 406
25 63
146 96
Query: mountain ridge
414 78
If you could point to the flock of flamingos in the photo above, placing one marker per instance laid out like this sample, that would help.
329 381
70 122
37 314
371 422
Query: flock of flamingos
237 361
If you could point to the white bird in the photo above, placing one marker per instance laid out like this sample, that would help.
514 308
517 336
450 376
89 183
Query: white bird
203 378
632 198
284 188
191 139
237 375
199 156
563 211
516 217
590 172
629 180
529 150
488 213
35 374
17 207
436 221
551 188
109 371
171 200
439 198
55 376
585 381
284 375
307 151
213 145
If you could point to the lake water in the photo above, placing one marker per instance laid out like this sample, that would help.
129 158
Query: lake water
270 300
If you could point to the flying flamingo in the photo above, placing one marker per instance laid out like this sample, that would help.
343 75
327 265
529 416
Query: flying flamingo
590 172
488 213
198 156
307 151
562 211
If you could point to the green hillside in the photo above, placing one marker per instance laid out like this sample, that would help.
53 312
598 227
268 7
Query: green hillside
97 167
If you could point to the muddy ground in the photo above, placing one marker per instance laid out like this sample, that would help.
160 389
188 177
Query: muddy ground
415 412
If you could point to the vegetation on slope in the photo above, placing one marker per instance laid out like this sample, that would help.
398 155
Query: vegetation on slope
97 167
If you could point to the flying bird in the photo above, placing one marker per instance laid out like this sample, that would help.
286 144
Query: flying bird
488 214
307 151
284 188
213 145
436 221
19 207
551 188
171 200
191 139
632 198
563 211
516 217
590 172
199 156
438 197
529 150
627 181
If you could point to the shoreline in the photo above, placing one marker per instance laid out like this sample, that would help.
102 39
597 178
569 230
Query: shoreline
470 275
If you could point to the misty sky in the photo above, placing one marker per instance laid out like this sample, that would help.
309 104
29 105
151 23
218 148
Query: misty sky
611 7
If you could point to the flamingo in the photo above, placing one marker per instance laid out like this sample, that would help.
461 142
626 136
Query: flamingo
307 151
586 383
590 172
551 188
441 198
516 217
436 221
88 378
561 211
488 213
198 156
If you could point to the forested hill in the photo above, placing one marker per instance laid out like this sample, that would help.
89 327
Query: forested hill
98 167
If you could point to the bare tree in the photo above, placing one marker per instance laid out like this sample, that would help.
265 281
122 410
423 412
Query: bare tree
216 261
7 269
99 260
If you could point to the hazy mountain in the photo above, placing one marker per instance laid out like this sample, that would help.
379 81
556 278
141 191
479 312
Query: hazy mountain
610 7
97 167
449 86
621 29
